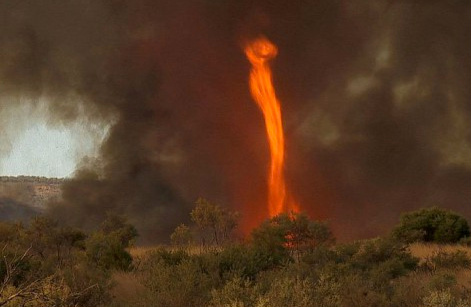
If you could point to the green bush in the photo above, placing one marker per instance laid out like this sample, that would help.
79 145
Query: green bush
289 291
107 252
182 236
236 292
431 225
441 281
269 239
45 264
466 241
214 223
118 226
167 257
245 261
385 255
288 236
185 283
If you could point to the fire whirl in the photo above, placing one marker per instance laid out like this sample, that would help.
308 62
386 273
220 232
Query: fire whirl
259 52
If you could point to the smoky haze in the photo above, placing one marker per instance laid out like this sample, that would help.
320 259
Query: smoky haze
375 100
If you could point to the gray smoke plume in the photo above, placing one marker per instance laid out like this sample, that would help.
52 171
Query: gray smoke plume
374 95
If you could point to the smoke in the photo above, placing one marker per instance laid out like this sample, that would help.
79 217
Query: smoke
374 98
15 201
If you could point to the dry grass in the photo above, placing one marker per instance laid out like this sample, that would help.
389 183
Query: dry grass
127 287
139 252
142 251
422 250
127 284
463 278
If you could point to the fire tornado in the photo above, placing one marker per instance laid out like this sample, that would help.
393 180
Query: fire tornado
259 52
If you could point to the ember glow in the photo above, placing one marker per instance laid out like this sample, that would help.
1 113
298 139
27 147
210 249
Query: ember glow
260 52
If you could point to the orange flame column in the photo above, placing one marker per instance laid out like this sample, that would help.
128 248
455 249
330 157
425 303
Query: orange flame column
259 52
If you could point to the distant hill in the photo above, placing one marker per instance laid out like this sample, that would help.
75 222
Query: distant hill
29 191
33 179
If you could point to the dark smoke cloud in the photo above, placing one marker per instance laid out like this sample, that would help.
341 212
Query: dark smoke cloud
374 93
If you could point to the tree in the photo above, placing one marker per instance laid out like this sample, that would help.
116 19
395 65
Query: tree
107 252
25 281
213 221
431 225
182 236
106 248
49 239
119 226
291 233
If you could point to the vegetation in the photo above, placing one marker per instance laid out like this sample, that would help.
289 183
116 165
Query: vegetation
432 225
291 235
46 264
288 260
28 193
45 180
182 236
214 224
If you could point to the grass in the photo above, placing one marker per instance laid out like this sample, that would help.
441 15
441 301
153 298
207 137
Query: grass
126 286
422 250
129 289
139 252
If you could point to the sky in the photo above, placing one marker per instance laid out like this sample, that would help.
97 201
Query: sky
35 145
42 151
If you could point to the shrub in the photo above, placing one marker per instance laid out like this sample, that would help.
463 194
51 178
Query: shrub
237 292
363 272
93 286
441 281
118 226
287 235
431 225
215 224
269 239
167 257
245 261
289 291
44 264
466 241
321 257
443 298
444 260
107 252
179 285
182 236
385 257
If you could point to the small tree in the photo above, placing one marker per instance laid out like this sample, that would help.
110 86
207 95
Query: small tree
48 239
119 226
182 236
291 233
106 248
107 252
213 222
431 225
42 265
